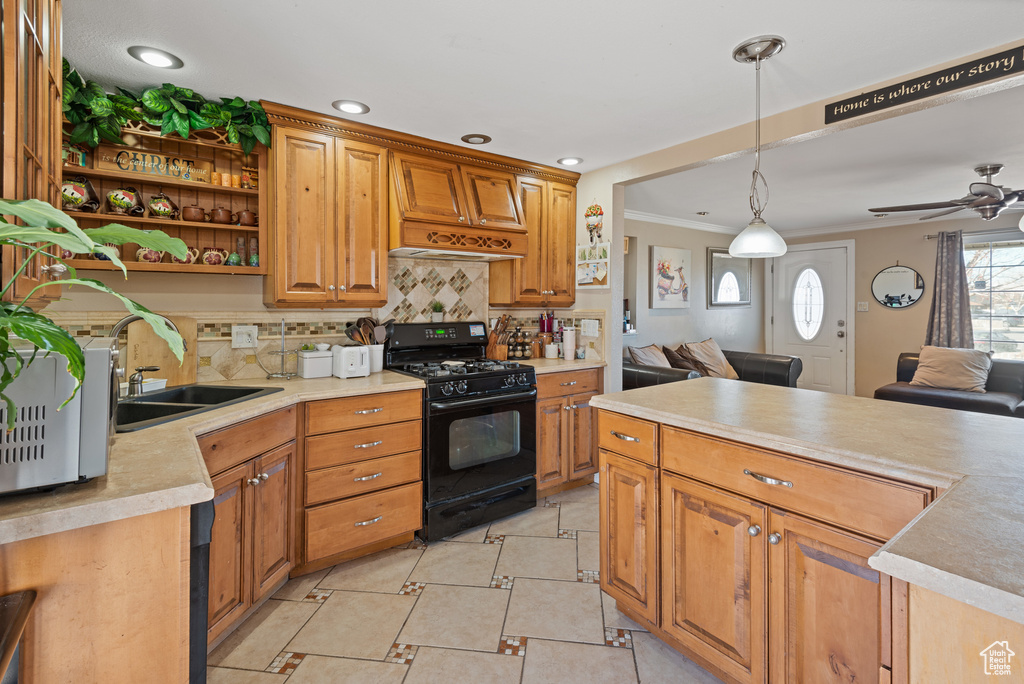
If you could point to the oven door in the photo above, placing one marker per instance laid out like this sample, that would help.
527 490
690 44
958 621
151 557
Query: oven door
474 444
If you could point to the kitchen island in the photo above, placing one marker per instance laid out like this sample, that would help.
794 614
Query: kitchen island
911 510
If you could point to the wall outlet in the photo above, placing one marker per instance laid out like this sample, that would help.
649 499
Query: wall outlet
589 327
862 306
243 336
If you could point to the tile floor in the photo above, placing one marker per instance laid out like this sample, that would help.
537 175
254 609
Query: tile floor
516 601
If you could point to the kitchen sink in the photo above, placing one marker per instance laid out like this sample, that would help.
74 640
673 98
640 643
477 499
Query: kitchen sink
156 408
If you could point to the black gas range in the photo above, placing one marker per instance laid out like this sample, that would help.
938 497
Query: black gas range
479 425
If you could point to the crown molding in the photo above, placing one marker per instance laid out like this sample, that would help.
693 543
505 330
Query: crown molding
678 222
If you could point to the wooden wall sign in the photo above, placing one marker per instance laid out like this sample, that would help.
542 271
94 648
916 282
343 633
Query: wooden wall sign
152 163
961 76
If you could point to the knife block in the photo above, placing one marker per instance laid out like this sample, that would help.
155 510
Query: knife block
497 352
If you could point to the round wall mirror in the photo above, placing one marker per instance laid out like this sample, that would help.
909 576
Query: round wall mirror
897 287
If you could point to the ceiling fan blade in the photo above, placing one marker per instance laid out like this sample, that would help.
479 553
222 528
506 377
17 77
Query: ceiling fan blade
984 202
986 190
918 207
941 213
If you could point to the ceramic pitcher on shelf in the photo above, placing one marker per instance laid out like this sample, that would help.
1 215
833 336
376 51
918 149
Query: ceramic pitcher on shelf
214 257
125 201
161 206
191 254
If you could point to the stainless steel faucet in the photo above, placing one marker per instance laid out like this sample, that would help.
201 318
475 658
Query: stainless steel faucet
124 323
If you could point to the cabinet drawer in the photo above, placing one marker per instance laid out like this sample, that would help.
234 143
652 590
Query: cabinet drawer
236 444
851 500
362 477
338 527
570 382
330 415
628 436
358 445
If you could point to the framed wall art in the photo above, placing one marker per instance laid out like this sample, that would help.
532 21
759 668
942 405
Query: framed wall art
728 279
670 276
592 265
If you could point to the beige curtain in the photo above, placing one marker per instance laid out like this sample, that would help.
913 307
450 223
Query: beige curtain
949 323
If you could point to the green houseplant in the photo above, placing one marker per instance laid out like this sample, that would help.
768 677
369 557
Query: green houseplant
436 311
48 231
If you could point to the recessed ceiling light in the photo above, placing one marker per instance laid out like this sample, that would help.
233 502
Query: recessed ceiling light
154 57
350 106
570 161
476 139
702 213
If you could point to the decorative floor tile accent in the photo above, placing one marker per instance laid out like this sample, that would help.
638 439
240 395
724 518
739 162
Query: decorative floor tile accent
494 539
512 645
416 544
502 582
318 595
620 638
552 504
286 663
401 654
588 576
412 589
566 534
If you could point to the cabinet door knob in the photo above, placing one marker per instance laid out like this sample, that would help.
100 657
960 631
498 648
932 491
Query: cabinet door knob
342 288
461 219
331 288
253 481
774 538
264 476
369 522
754 530
483 221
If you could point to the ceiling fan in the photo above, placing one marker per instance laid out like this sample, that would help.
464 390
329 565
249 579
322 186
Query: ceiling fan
987 199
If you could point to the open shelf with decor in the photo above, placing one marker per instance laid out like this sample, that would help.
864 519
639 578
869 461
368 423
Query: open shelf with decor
165 180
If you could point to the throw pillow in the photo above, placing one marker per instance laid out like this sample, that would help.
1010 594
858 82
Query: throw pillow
710 354
956 369
651 355
680 358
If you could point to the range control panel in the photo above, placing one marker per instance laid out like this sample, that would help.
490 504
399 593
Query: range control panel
433 334
441 334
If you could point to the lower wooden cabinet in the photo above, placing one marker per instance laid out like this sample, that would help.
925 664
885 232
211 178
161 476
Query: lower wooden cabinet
714 581
566 428
629 539
250 549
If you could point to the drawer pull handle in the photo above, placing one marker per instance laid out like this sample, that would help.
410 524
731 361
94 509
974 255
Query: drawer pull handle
367 477
365 411
567 384
767 480
369 522
368 444
625 438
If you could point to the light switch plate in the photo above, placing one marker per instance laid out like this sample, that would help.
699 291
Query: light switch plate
589 327
243 336
862 306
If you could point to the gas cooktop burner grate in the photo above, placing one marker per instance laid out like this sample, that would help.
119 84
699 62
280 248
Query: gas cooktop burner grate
448 368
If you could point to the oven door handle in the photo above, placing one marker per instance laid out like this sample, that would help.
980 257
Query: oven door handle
460 404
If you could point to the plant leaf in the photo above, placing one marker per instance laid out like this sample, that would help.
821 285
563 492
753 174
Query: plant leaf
152 120
232 133
185 93
102 106
180 123
248 142
262 134
167 123
45 334
178 106
38 213
94 139
80 133
197 121
93 90
118 234
156 100
158 324
35 235
128 93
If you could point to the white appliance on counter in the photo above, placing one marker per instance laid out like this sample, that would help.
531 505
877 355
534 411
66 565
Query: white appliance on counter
351 361
48 447
315 364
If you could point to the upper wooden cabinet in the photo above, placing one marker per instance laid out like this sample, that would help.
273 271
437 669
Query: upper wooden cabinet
429 189
30 116
545 276
329 236
492 198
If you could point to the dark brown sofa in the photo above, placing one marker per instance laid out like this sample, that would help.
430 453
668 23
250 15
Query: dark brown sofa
1003 395
768 369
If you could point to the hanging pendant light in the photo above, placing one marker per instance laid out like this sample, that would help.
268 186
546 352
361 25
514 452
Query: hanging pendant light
758 240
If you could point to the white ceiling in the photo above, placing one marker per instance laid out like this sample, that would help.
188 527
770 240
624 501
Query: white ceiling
601 79
925 156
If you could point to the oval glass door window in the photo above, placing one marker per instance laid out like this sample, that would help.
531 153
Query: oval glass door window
808 304
728 289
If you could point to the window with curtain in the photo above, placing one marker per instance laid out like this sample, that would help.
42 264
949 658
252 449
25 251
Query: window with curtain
995 277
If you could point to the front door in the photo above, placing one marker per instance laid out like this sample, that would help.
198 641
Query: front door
811 315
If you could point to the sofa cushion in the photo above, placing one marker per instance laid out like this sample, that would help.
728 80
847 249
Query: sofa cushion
997 403
953 369
710 354
651 355
682 359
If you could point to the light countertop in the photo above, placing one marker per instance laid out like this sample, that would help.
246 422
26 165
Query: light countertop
161 467
542 366
968 544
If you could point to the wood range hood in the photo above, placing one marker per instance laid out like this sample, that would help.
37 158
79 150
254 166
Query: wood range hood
444 201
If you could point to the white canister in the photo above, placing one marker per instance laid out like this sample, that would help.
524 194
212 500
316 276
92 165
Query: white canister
376 358
550 351
316 364
569 342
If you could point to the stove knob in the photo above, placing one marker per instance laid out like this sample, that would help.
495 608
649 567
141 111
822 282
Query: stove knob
447 389
461 386
510 381
523 380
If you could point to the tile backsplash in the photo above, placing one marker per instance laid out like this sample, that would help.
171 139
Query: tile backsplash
412 284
